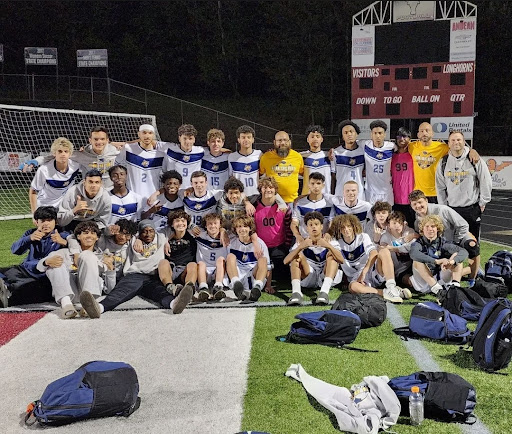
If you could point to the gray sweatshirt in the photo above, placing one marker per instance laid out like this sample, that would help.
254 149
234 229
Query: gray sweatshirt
98 209
456 228
462 184
147 261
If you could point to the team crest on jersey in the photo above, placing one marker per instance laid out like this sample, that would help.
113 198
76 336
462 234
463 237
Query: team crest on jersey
379 155
247 168
457 177
215 167
198 206
352 162
318 258
186 158
425 160
66 184
316 163
245 257
145 163
121 210
350 256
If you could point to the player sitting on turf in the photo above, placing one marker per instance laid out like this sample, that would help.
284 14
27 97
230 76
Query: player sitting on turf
365 268
314 261
242 265
435 261
211 258
140 278
398 239
378 225
179 265
24 283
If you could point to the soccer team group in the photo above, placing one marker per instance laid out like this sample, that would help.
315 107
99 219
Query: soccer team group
177 222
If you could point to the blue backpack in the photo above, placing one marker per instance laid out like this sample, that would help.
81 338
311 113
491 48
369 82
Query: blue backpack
462 301
492 346
446 396
429 320
499 265
331 327
96 389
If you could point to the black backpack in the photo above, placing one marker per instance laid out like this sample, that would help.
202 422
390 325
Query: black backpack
96 389
370 308
462 301
490 287
447 396
492 346
500 265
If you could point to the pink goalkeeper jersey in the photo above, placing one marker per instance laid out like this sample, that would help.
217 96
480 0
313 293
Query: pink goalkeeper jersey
402 177
271 224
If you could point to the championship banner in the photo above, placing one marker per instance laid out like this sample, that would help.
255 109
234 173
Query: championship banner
442 127
92 58
40 56
404 12
363 45
501 171
462 39
364 126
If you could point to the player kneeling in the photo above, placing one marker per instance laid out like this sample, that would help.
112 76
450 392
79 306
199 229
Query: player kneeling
365 268
314 261
211 258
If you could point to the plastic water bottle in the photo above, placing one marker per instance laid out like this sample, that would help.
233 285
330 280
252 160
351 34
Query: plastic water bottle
416 406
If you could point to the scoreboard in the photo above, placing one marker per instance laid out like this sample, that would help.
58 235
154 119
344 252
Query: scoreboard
441 89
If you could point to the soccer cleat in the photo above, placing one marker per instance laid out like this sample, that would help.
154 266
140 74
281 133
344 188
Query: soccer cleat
392 295
171 288
183 298
404 292
295 299
218 294
68 311
323 298
203 295
89 303
4 294
238 289
255 293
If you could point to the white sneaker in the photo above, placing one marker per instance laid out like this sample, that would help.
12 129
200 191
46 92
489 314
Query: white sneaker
404 292
392 295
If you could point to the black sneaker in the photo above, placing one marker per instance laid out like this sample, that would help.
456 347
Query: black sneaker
4 294
183 298
255 293
89 303
218 292
203 295
238 289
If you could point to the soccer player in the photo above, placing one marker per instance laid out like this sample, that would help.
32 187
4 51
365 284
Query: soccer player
348 159
24 283
350 203
377 157
316 160
245 163
242 265
125 203
211 258
366 269
201 201
314 261
87 200
402 175
55 177
284 165
377 226
144 162
314 201
185 158
215 161
166 200
232 203
436 261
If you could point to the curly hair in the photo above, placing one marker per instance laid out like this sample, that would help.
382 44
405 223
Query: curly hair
340 221
87 226
268 182
233 184
212 216
380 206
178 214
243 221
214 133
432 219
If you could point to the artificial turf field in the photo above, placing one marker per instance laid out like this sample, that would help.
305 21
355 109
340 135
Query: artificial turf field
279 405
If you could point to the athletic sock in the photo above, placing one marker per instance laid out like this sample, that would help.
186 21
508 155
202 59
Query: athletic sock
102 308
326 285
436 288
235 279
64 301
219 284
296 286
391 283
202 286
455 283
258 283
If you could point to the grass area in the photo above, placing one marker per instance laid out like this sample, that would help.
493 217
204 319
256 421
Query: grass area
279 405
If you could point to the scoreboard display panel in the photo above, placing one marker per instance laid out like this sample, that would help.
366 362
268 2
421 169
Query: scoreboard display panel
440 89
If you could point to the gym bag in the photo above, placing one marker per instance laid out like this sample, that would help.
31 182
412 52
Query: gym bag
462 301
370 308
429 320
492 348
331 327
500 265
446 396
96 389
490 287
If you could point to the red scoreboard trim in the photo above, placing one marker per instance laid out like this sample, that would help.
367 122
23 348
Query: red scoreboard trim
440 89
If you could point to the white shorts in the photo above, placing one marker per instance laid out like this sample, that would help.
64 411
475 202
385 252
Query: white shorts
373 278
444 276
247 279
315 278
210 274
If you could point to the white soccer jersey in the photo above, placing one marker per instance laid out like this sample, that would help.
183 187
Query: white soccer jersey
245 257
355 255
378 172
305 205
160 217
197 207
51 185
185 163
361 209
348 165
401 259
246 168
216 169
317 255
209 249
127 207
144 168
316 162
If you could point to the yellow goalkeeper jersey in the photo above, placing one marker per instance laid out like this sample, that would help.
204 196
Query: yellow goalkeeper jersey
425 160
